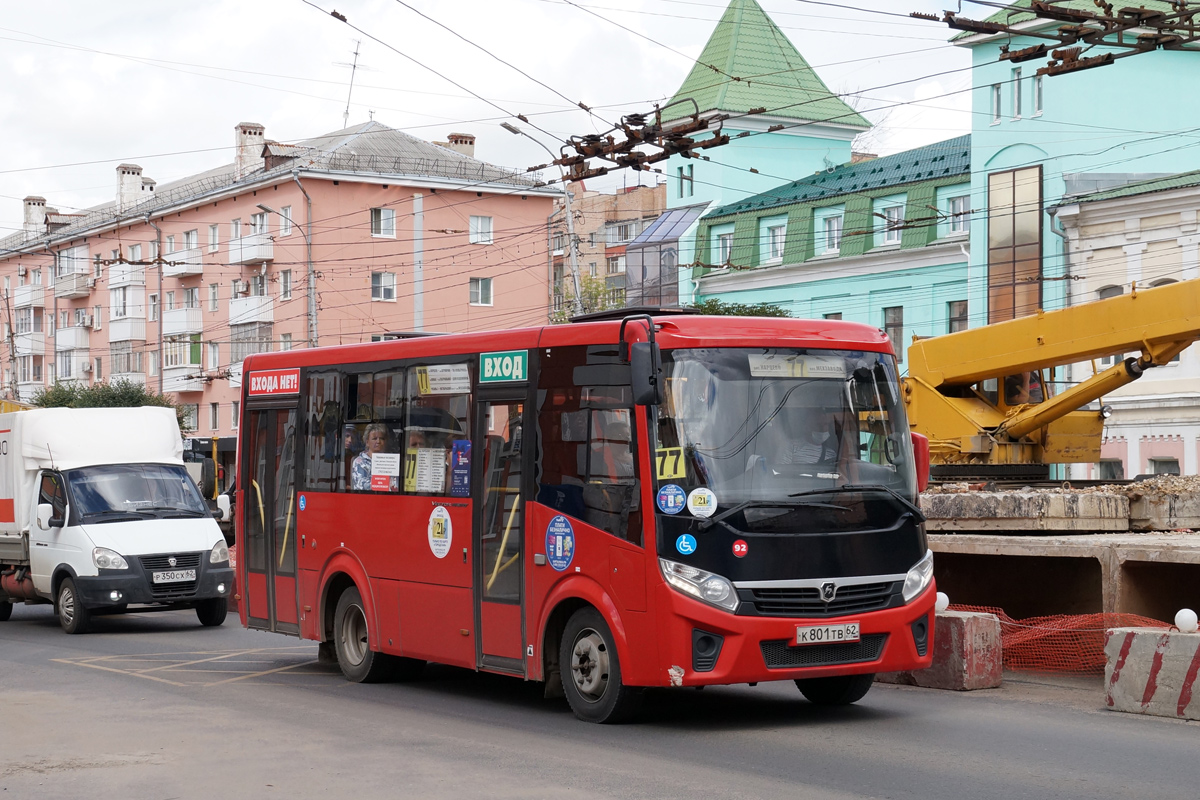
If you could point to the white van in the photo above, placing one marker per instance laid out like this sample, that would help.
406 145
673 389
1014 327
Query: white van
99 515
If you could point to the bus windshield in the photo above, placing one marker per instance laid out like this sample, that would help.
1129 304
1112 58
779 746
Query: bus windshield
776 424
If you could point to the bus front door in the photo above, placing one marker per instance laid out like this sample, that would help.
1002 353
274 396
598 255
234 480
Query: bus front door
499 534
268 506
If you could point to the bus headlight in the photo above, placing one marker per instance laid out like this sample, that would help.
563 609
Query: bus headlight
104 558
219 554
712 589
918 578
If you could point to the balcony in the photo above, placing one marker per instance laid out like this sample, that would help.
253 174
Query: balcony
235 376
132 377
29 296
183 320
186 378
26 390
74 284
251 249
32 343
76 337
74 365
126 275
184 263
255 308
127 329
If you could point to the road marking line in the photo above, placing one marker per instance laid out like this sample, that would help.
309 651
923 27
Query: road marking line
264 672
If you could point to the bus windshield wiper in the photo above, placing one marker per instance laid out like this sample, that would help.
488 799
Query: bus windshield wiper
191 512
729 512
873 487
120 512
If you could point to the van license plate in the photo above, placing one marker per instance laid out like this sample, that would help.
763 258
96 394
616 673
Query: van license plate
174 576
827 634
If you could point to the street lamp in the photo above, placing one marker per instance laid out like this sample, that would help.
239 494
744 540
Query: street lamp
312 294
513 129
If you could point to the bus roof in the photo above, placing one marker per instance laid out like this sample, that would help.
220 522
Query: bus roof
671 332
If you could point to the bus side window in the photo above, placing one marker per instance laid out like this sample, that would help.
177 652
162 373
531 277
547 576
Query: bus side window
324 439
437 429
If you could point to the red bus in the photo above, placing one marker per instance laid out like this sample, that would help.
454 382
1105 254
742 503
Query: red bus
604 506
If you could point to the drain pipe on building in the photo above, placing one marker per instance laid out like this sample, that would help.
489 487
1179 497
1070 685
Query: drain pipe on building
1055 229
158 260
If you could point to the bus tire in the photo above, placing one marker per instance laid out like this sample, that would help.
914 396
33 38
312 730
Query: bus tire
211 613
5 610
591 671
72 615
839 690
352 641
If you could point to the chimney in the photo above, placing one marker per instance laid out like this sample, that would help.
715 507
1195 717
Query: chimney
35 215
462 143
148 185
249 138
129 186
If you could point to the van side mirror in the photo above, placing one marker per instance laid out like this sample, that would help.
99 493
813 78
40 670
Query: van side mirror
920 444
223 507
46 519
645 367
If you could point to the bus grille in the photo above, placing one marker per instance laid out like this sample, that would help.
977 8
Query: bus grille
807 602
780 654
171 591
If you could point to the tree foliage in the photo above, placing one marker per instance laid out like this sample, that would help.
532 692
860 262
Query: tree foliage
719 308
594 293
120 393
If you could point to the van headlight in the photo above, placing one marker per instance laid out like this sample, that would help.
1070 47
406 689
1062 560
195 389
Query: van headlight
104 558
712 589
219 554
918 578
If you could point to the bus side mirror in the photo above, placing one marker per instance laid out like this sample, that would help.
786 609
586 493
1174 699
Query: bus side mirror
223 507
645 367
920 444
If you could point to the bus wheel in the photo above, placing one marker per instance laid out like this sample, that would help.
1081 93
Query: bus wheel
72 616
351 639
591 671
212 612
5 610
840 690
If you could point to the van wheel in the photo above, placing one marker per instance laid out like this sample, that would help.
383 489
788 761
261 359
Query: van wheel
211 613
839 690
72 615
5 610
591 671
351 639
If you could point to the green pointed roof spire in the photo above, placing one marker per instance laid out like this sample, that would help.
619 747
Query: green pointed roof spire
749 63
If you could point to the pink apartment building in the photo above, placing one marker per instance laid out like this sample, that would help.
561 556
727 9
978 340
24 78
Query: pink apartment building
392 233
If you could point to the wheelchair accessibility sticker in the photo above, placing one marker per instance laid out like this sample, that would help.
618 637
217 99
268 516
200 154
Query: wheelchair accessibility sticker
686 544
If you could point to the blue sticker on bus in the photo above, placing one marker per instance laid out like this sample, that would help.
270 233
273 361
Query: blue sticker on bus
560 543
303 502
686 544
671 499
460 468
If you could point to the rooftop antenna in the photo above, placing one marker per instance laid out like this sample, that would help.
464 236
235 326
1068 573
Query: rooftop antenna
353 68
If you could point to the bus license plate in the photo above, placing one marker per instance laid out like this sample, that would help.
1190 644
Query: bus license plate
174 576
826 634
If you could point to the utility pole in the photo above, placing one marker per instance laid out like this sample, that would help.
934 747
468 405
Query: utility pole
10 388
158 259
353 68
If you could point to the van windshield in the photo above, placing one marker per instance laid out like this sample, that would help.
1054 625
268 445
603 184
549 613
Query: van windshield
114 492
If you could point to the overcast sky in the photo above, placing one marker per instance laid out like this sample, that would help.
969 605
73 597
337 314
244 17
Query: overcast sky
89 85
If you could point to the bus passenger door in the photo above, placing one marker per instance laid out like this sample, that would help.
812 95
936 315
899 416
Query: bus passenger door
269 521
499 525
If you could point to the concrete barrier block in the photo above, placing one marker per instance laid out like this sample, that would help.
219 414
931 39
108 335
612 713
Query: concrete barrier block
1152 671
1164 511
966 654
1000 512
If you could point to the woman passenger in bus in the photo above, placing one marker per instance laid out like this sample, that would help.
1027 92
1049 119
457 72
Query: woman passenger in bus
375 440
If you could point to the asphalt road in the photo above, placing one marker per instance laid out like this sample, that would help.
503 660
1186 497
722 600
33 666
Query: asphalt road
154 706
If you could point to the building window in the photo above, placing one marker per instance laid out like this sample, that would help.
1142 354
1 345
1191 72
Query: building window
62 363
1014 243
213 296
960 213
97 317
1111 469
481 291
135 252
191 416
99 369
996 95
153 247
1107 292
834 315
480 230
956 311
125 360
235 229
1016 84
616 265
285 284
383 222
593 270
191 297
1164 466
153 370
1037 95
285 341
153 307
285 225
182 351
191 240
214 416
214 238
893 326
833 234
235 415
893 224
170 248
383 286
621 232
246 340
214 355
35 277
170 301
258 223
686 181
776 237
724 248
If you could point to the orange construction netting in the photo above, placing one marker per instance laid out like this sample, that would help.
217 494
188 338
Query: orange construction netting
1059 642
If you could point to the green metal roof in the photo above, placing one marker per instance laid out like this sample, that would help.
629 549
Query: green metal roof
749 63
1180 181
1012 17
940 160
